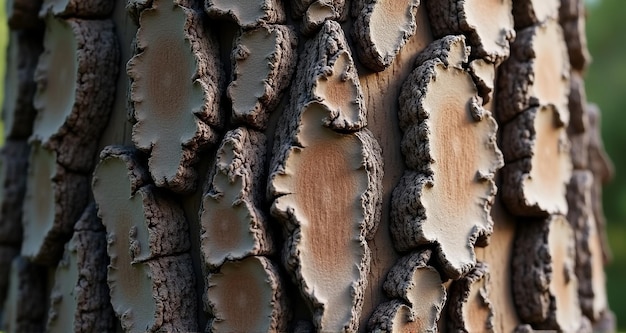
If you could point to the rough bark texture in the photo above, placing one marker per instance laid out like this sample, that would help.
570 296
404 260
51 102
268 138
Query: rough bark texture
545 287
150 275
234 225
489 38
377 47
263 61
297 227
91 9
418 297
185 95
537 72
469 307
537 152
80 296
445 168
246 14
25 306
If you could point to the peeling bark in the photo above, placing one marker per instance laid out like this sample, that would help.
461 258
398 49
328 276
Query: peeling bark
418 297
579 116
326 73
533 12
319 177
25 307
247 14
469 306
80 296
537 73
54 200
572 19
484 75
539 165
589 256
75 87
489 38
318 12
150 274
233 223
602 168
264 60
90 9
22 55
446 196
300 7
172 42
247 296
545 287
382 28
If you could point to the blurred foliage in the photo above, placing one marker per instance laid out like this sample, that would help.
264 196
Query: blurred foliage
606 86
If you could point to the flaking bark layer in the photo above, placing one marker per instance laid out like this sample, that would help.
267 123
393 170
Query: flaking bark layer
589 256
339 7
545 287
264 60
446 196
536 74
147 241
534 12
246 296
75 78
173 42
309 157
489 38
247 14
382 28
418 297
234 225
80 299
25 307
469 306
538 169
89 9
54 200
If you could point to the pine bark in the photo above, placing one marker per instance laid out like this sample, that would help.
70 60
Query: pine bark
274 165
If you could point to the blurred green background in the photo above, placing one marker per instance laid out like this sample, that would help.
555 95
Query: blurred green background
606 86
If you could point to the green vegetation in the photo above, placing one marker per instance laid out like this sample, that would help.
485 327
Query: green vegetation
606 86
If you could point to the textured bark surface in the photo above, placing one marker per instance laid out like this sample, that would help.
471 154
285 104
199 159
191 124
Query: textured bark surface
147 241
25 306
80 299
185 94
589 257
263 61
418 297
247 14
290 224
537 72
489 38
470 308
92 9
537 153
377 46
545 287
252 287
234 224
455 167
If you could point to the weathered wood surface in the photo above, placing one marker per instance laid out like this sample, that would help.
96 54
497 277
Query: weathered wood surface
368 196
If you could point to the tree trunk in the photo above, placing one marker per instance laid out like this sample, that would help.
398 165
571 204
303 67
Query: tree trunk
240 166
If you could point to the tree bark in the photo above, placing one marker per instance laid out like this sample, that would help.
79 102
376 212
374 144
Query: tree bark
273 165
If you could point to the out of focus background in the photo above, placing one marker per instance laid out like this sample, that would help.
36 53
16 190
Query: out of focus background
606 86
